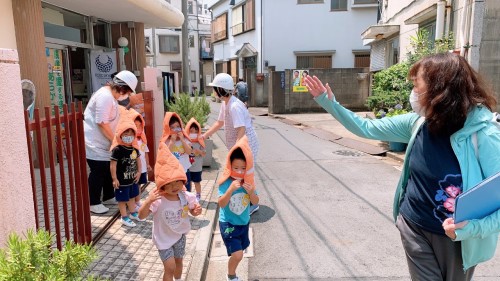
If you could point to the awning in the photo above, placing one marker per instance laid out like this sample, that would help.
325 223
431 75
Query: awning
379 32
247 50
153 13
422 16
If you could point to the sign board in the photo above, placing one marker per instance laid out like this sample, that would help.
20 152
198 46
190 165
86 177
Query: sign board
298 80
56 77
102 65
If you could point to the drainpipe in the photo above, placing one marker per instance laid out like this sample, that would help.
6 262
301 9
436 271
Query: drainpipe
465 28
153 44
440 20
448 19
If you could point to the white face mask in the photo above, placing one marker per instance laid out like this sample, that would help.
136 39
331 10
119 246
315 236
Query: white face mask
128 139
415 104
193 136
122 97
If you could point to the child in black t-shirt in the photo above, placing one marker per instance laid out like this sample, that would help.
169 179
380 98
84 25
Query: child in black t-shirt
125 170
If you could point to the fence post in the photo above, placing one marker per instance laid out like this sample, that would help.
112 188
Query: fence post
150 128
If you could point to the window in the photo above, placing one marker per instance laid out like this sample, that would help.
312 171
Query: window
364 2
102 33
430 28
392 54
309 1
169 43
190 7
243 18
219 28
193 75
176 66
318 61
191 41
338 5
361 59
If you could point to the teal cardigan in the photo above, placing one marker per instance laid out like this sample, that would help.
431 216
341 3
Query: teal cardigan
479 237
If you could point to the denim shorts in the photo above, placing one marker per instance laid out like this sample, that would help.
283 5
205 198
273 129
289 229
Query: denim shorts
125 193
177 250
235 237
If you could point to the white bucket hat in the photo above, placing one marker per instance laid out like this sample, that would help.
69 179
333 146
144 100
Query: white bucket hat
224 81
126 77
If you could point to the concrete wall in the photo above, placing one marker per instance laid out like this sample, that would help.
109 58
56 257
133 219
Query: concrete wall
489 63
15 180
313 27
350 86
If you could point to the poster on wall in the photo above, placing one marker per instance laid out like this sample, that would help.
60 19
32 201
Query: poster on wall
298 80
102 65
56 78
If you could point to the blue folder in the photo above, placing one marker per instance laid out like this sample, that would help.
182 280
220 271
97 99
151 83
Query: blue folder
479 201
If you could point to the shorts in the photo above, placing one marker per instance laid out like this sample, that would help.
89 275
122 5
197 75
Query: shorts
144 178
125 193
235 237
188 181
195 176
177 250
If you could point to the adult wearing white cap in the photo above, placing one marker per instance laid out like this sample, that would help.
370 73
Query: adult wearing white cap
234 116
101 118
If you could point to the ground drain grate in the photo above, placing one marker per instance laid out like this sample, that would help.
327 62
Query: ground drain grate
348 153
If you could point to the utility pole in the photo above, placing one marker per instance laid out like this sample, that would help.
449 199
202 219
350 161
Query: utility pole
186 70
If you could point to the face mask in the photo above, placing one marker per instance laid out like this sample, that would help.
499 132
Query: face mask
237 175
193 136
122 97
128 139
176 130
415 105
124 102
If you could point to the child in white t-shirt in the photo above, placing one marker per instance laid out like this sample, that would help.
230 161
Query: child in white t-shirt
170 206
143 148
193 129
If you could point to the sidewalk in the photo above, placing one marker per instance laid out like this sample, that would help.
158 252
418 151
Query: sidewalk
324 126
129 254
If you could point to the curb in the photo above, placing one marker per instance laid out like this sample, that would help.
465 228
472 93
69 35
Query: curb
199 263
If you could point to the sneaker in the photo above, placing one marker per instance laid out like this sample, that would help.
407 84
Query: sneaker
99 209
128 222
111 201
198 197
253 209
135 216
234 279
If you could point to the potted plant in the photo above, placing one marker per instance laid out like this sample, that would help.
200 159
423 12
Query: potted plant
196 107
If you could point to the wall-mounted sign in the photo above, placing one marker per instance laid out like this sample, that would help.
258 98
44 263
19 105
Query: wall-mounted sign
298 80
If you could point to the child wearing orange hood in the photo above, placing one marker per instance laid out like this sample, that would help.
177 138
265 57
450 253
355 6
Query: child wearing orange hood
193 129
170 206
125 166
177 140
236 192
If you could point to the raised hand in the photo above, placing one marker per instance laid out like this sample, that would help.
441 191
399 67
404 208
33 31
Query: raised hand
316 87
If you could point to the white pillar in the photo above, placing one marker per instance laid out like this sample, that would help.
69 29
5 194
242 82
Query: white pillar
440 19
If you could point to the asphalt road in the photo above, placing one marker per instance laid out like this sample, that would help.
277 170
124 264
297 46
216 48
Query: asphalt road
326 213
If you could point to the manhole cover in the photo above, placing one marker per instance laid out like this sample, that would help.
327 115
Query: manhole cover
348 153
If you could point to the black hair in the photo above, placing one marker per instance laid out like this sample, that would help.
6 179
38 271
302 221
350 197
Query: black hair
195 126
139 119
173 119
221 92
237 154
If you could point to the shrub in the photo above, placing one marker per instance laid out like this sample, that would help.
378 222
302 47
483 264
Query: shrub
33 258
187 107
391 87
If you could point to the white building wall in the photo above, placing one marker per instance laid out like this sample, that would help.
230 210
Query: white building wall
225 50
313 27
163 60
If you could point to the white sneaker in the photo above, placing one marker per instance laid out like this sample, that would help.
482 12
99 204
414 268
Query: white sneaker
234 279
135 216
111 201
98 209
128 222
